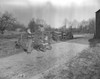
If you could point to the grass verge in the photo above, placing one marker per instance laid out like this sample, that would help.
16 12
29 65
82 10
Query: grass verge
86 65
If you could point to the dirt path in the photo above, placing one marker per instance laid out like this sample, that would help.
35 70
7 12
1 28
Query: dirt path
23 66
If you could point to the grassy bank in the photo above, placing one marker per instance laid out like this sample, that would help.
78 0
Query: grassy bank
7 48
86 65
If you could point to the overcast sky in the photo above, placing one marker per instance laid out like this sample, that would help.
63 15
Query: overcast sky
52 11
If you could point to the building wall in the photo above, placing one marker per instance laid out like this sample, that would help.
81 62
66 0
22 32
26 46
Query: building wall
97 35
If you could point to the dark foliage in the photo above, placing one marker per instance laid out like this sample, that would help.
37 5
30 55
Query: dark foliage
6 22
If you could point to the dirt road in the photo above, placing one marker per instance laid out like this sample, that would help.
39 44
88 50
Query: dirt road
23 66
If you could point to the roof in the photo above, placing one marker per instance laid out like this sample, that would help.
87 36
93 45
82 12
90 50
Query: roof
98 11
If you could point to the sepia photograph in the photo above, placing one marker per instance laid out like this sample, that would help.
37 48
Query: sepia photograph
49 39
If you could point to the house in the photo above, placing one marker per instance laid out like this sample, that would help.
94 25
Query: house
97 32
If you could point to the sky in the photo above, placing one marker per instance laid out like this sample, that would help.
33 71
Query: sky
54 12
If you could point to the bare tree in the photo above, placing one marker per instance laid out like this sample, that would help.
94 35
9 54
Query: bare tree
6 21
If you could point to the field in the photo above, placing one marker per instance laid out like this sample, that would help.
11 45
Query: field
7 44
